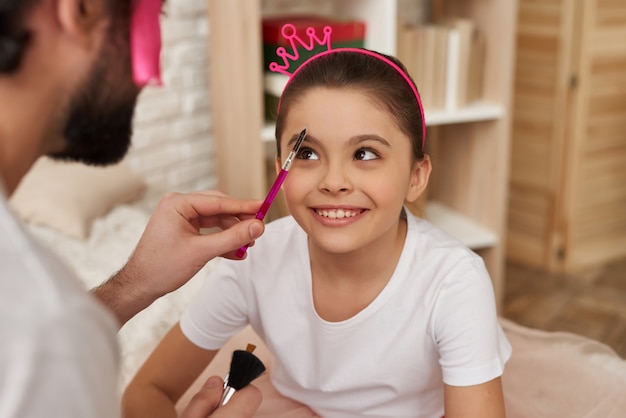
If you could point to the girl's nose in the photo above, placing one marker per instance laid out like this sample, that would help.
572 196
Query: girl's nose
336 179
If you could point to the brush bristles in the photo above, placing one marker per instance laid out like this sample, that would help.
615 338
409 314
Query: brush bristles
301 137
244 368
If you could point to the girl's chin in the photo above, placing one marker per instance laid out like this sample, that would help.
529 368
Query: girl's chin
335 245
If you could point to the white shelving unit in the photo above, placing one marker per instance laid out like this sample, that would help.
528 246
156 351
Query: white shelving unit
459 226
468 195
475 113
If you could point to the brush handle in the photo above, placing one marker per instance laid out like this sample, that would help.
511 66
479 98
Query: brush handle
271 195
228 393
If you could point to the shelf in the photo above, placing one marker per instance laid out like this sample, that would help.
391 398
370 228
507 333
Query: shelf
460 227
474 113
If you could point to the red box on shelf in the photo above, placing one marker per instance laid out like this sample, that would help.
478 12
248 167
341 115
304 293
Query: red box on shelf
343 30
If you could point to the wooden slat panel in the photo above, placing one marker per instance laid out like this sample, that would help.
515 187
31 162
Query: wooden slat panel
539 18
524 250
529 213
538 102
610 104
597 165
594 252
607 133
611 13
600 230
526 170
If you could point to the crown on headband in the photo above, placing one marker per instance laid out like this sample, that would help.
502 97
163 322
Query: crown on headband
290 34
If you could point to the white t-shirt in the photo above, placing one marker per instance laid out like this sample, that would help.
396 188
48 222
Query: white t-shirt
58 349
434 322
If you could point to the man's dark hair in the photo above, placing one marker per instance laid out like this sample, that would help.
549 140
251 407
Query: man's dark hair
13 37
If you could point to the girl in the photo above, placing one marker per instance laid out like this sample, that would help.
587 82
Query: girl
367 309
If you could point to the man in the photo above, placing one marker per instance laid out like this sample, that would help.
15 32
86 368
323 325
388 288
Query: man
66 90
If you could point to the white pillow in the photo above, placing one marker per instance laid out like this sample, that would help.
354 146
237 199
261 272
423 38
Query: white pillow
69 196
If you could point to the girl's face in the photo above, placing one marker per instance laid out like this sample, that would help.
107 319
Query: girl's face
353 173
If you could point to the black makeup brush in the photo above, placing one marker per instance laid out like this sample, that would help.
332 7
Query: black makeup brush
250 349
244 368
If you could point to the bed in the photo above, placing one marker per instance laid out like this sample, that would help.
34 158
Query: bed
93 219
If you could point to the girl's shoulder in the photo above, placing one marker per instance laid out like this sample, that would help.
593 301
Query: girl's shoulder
430 243
430 235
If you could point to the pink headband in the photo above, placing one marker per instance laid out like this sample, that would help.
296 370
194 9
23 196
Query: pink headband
289 32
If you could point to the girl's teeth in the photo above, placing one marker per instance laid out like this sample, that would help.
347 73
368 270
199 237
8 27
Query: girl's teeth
336 214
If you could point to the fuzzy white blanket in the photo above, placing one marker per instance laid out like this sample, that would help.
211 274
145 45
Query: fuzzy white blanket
112 240
551 374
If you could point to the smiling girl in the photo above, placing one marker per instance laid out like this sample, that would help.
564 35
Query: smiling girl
367 309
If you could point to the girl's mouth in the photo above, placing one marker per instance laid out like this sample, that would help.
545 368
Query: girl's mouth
338 213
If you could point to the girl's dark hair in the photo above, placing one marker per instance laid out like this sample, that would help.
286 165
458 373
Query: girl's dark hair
365 73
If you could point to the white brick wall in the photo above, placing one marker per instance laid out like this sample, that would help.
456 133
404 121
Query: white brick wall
173 140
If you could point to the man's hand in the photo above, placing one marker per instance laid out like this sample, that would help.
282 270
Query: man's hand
172 249
243 403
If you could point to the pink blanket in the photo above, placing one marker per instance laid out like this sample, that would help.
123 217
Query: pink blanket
551 374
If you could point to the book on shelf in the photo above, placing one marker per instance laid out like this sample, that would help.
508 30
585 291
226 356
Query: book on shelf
464 28
476 67
446 60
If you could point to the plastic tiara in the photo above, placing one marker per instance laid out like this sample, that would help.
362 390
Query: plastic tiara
290 34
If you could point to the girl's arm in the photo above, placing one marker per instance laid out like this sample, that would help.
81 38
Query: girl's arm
165 376
478 401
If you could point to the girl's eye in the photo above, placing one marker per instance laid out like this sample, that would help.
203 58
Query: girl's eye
307 154
365 155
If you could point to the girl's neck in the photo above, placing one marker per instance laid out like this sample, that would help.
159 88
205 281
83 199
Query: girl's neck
345 284
373 262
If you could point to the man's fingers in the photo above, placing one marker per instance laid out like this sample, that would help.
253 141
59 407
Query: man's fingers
243 404
207 205
206 400
219 221
205 403
240 234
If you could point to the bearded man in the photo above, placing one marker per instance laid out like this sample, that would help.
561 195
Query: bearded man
67 90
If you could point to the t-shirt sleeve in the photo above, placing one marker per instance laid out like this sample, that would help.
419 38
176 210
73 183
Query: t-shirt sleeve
219 310
472 346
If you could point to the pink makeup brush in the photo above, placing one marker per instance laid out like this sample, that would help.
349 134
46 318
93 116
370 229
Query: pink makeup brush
280 178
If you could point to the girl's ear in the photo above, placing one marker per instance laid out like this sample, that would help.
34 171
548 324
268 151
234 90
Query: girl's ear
419 179
278 165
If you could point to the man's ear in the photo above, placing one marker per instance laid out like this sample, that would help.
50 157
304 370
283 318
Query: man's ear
82 19
419 179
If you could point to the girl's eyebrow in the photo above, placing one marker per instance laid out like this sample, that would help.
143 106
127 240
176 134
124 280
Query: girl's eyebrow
355 140
308 138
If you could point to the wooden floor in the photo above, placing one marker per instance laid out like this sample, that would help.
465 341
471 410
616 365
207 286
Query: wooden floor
593 304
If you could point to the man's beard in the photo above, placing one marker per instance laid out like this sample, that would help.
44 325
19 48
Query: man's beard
99 126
